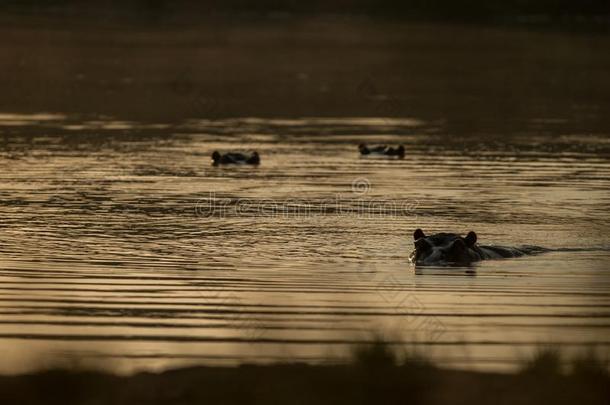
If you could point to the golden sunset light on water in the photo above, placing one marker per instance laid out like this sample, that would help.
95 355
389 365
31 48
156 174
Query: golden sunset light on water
323 202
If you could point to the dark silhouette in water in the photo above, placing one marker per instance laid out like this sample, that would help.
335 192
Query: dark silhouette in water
235 158
382 150
452 249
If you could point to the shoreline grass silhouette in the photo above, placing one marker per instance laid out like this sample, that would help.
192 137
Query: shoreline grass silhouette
375 372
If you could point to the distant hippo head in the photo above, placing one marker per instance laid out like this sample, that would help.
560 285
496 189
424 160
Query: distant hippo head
444 249
216 157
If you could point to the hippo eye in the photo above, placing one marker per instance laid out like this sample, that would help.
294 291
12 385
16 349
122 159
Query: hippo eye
458 245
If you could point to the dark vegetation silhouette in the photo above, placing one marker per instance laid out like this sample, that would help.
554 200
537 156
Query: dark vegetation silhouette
465 10
376 373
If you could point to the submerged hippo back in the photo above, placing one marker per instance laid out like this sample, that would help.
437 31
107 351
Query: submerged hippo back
498 252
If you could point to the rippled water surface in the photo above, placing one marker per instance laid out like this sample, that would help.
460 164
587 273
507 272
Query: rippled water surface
123 247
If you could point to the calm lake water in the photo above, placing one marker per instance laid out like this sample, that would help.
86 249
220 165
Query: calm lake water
123 248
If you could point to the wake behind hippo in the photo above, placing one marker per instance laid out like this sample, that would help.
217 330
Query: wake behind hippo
444 249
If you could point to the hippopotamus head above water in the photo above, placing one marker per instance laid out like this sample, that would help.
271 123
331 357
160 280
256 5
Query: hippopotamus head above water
382 150
235 158
444 249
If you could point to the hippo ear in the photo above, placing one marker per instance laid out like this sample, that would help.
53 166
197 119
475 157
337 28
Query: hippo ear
418 234
471 239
